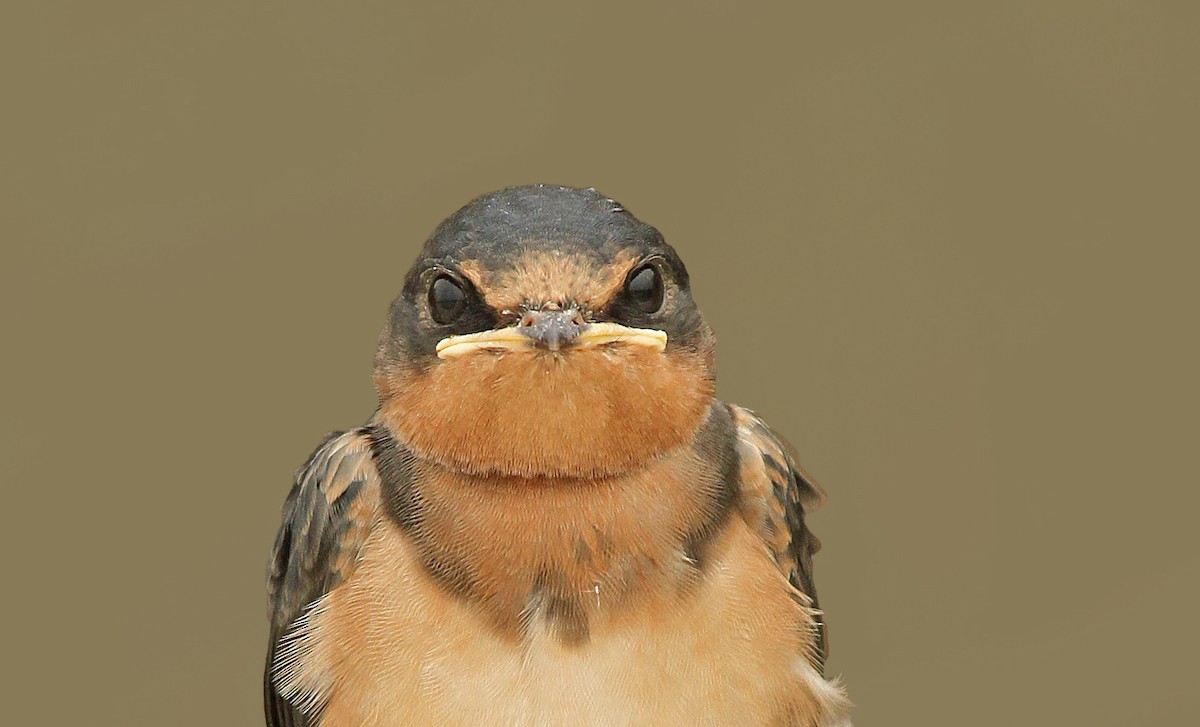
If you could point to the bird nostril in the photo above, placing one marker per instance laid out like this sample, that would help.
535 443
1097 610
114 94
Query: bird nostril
552 329
571 315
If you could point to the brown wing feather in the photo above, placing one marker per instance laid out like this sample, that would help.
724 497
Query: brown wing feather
326 519
776 495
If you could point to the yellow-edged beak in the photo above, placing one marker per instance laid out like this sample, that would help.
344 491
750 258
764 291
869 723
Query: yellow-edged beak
513 339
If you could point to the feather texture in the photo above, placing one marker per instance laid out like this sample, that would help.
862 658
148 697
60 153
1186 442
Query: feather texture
326 519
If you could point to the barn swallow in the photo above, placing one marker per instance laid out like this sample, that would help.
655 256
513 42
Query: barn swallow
549 519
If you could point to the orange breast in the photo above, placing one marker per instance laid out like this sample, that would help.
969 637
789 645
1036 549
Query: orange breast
392 648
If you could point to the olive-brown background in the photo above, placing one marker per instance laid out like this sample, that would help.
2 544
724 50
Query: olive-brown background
950 252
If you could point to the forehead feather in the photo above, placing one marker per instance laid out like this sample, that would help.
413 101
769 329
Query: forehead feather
494 231
542 276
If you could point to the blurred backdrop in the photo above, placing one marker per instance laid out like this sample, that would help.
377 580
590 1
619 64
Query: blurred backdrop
949 251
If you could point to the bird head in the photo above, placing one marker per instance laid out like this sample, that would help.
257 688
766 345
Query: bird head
545 332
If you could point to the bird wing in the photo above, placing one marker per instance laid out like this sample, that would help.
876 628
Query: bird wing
776 495
326 519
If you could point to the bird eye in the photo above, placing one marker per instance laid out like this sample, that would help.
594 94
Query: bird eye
447 299
645 289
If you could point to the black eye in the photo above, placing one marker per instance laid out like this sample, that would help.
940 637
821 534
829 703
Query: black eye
645 289
447 299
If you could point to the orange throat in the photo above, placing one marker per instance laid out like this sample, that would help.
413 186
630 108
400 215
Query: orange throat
566 550
586 413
